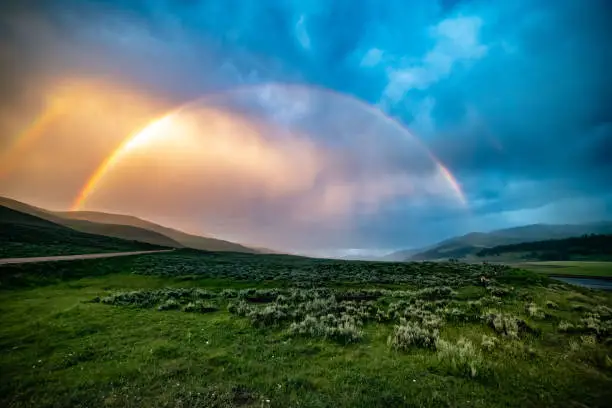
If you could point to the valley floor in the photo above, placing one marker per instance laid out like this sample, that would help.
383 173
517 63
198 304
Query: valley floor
183 329
594 269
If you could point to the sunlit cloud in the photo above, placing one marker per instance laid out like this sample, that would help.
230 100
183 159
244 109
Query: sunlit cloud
239 173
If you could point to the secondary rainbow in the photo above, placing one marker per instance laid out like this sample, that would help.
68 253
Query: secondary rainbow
25 139
92 183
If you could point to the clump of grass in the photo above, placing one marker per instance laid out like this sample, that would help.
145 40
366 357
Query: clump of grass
534 310
604 311
488 343
228 293
499 291
409 334
507 325
551 305
421 312
259 295
270 315
170 304
344 330
132 298
471 313
360 294
200 307
592 324
460 359
436 292
240 308
565 326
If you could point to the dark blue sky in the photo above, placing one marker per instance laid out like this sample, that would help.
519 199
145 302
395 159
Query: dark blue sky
514 97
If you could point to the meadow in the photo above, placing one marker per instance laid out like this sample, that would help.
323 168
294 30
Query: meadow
218 330
596 269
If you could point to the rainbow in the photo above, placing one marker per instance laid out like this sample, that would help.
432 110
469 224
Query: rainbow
92 182
26 138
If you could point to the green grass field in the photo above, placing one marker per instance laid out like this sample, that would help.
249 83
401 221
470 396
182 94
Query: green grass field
192 330
574 268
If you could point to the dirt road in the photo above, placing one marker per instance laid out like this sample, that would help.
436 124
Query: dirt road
74 257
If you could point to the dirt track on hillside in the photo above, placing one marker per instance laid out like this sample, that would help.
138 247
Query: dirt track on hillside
6 261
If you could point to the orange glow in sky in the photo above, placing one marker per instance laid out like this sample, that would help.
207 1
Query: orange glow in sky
218 170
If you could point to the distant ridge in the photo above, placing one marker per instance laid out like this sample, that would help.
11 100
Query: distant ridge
184 239
26 235
469 245
594 247
127 227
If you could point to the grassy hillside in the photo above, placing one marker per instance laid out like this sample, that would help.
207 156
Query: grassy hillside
127 232
570 268
472 243
184 239
24 235
587 247
126 227
222 330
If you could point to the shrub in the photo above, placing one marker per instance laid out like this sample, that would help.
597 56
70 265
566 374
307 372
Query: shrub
310 326
240 308
534 311
460 359
590 324
362 294
344 330
259 295
459 315
200 307
318 306
432 321
551 305
409 334
134 298
436 292
170 304
499 291
203 294
506 325
604 311
594 325
229 293
488 342
269 315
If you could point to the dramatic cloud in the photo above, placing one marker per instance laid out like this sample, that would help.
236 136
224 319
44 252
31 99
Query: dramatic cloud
456 40
287 147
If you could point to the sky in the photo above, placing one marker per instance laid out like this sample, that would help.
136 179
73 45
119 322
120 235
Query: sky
319 127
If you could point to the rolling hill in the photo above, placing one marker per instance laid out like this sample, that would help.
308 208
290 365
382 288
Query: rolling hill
126 227
127 232
469 245
24 235
584 248
184 239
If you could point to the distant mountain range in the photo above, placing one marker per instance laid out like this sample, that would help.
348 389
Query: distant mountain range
467 246
592 247
127 228
23 220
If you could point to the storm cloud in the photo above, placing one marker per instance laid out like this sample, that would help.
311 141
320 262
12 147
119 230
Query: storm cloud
512 97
